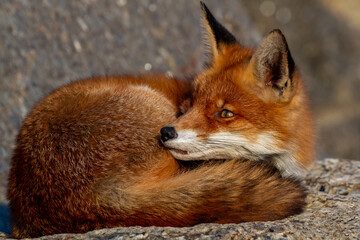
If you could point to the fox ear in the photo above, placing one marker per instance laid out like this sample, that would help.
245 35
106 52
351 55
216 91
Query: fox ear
273 67
216 36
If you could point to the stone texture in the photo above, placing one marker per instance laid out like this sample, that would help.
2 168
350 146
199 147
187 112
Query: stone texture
45 44
332 213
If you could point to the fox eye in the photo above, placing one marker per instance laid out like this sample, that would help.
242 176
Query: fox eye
226 114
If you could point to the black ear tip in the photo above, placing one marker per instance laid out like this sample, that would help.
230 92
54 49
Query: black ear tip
202 5
204 9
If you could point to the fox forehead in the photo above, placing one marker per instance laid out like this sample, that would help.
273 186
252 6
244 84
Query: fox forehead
221 89
226 75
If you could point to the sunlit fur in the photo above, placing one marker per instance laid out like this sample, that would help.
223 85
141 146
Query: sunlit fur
265 128
88 155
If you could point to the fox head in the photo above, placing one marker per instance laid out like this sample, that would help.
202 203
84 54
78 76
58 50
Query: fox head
247 104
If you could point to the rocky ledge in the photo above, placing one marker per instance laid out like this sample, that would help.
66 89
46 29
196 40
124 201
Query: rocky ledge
332 213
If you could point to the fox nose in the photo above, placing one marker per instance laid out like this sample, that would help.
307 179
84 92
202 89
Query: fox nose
168 133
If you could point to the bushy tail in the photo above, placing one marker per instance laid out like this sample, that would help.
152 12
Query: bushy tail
227 192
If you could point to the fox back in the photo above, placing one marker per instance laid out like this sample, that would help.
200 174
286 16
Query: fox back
80 134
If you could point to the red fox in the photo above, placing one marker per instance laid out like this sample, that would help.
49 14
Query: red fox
90 154
247 105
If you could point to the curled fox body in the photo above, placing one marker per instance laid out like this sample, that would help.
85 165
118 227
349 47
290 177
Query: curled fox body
89 155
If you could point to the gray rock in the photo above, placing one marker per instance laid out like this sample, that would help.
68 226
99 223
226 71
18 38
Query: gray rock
45 44
332 213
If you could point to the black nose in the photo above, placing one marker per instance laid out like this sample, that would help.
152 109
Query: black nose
168 133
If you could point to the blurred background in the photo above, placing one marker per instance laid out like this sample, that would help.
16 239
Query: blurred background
45 44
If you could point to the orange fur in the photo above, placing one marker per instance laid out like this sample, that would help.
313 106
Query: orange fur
264 96
88 156
231 81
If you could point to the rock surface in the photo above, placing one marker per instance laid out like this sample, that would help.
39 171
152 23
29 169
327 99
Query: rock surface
332 213
45 44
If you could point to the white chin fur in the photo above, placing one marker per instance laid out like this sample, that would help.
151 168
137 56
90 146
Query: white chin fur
201 155
218 146
227 145
186 141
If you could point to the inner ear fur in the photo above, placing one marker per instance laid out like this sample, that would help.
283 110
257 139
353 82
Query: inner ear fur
216 36
273 67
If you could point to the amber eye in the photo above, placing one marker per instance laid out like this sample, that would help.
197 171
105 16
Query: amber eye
226 114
